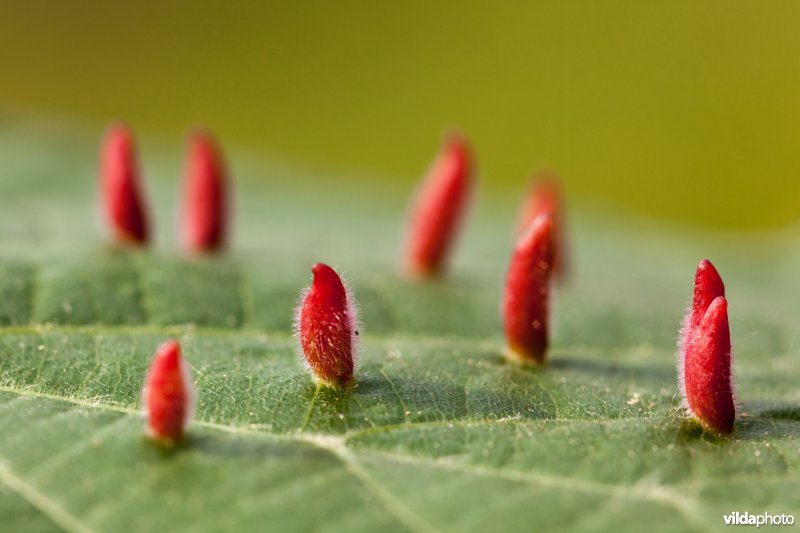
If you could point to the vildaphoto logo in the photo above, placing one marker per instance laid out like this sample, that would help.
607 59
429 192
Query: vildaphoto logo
764 519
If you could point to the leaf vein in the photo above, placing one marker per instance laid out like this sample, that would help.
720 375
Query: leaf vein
60 516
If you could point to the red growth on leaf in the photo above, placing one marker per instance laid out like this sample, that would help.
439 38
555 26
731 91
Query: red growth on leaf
438 209
168 394
205 217
120 192
326 324
704 361
545 195
527 293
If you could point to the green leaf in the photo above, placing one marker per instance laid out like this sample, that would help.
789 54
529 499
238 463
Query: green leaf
440 434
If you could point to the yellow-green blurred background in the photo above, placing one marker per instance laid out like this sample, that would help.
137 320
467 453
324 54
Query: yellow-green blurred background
687 110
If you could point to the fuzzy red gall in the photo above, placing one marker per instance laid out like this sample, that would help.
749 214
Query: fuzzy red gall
704 362
545 195
708 285
527 293
326 325
438 209
168 394
120 190
205 211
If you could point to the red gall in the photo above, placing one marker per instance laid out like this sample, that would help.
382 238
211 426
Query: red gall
205 210
120 190
545 195
326 324
438 209
527 293
168 394
704 356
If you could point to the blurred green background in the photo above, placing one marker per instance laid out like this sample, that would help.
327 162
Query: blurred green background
682 110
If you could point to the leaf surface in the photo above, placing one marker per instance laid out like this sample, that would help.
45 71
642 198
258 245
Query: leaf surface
440 434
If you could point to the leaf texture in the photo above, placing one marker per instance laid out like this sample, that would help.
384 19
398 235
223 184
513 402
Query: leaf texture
441 434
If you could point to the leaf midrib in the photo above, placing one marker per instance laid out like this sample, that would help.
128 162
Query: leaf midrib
60 516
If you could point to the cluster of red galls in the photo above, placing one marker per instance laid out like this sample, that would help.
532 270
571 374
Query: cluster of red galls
326 321
205 192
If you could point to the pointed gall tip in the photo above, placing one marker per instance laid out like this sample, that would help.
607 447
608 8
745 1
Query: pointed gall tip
168 355
168 394
717 311
118 134
526 305
707 286
542 195
708 280
457 148
320 269
327 327
545 195
120 194
438 209
205 195
707 273
540 229
327 285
